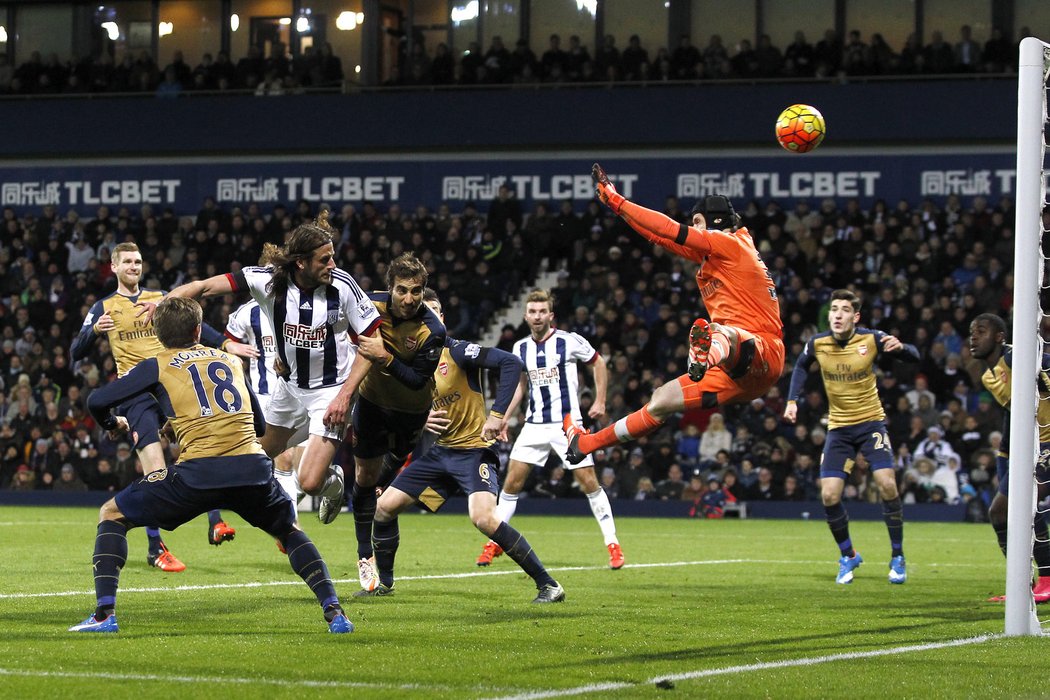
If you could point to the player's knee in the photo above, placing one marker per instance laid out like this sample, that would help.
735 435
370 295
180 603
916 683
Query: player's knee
384 513
830 498
666 400
587 479
486 522
888 490
110 511
311 481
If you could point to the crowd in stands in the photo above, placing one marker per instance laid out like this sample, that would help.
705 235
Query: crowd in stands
569 62
924 270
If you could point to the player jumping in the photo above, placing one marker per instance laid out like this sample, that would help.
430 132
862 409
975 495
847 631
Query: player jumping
736 356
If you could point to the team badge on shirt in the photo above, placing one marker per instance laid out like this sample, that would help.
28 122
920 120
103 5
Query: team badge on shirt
862 350
333 317
443 368
410 343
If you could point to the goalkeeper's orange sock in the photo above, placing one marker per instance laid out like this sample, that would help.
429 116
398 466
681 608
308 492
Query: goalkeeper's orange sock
634 426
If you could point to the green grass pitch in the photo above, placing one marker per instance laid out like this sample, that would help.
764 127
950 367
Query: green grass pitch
734 609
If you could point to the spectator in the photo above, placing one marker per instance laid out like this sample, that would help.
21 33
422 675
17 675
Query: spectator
646 491
694 488
967 51
936 449
938 57
634 61
554 61
712 502
715 439
25 479
686 61
609 483
671 488
68 480
764 489
687 448
555 485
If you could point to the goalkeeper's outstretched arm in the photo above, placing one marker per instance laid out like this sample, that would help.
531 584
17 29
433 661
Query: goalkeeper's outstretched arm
688 242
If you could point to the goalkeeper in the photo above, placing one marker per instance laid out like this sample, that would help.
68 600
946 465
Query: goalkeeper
736 356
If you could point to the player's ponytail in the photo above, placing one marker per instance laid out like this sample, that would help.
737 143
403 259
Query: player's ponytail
305 239
270 253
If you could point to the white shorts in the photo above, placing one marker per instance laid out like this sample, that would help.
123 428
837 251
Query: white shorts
264 404
536 441
302 409
301 433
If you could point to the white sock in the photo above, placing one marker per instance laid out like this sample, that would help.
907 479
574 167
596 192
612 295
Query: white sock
602 510
288 483
299 493
333 485
508 503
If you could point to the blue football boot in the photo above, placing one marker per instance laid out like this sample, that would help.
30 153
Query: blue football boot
898 574
846 567
107 624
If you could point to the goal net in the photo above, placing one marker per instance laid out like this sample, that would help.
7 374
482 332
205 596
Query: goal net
1028 318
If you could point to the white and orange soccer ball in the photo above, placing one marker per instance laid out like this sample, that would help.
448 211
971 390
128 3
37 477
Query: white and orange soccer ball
800 128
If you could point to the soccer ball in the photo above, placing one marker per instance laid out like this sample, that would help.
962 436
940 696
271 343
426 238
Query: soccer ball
800 128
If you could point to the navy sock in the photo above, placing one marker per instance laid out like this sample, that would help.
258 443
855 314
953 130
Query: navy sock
363 503
385 539
838 523
214 516
518 548
111 553
893 514
1041 545
155 542
307 562
1000 535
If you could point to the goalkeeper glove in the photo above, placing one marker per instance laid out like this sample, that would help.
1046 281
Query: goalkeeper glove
605 190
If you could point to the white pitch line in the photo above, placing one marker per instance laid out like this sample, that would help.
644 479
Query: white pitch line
431 577
218 680
425 577
747 668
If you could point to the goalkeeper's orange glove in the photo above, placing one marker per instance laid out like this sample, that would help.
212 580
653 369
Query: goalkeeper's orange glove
605 190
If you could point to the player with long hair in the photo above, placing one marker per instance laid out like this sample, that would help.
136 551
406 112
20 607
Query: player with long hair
317 312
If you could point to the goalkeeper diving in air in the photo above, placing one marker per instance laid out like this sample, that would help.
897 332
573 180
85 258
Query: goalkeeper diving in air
733 358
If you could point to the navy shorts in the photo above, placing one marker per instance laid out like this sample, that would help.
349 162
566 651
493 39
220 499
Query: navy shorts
435 476
164 499
1042 468
144 417
840 450
380 431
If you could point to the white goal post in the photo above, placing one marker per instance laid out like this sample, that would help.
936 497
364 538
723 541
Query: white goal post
1027 344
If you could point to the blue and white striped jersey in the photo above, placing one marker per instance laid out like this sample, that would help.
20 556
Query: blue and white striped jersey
317 328
248 324
554 383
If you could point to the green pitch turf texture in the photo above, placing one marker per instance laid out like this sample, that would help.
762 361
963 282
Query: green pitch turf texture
703 609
